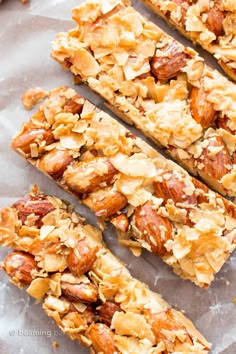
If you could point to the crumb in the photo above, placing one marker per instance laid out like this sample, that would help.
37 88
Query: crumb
33 96
234 300
55 345
227 282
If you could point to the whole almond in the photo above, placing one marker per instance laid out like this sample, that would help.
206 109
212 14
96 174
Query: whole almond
107 310
85 292
33 205
172 188
102 339
202 110
31 135
55 162
153 228
19 266
168 66
87 176
82 257
106 202
215 19
218 164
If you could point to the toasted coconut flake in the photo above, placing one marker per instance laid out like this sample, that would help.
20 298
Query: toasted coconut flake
73 141
45 231
132 324
33 96
137 165
135 67
38 288
84 63
229 180
54 263
164 119
53 303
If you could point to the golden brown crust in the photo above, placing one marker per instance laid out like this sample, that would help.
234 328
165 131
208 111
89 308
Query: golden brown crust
152 202
152 81
105 309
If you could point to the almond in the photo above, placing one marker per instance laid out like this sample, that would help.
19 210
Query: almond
85 177
85 292
19 266
33 205
102 339
153 228
89 315
121 222
202 110
74 105
31 135
107 311
184 7
165 321
202 191
106 202
167 66
223 123
172 188
218 164
215 19
229 207
55 162
234 158
82 257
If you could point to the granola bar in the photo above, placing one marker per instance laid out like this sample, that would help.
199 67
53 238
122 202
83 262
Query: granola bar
152 202
87 291
208 23
152 81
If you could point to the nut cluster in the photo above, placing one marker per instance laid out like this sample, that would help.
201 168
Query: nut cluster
209 23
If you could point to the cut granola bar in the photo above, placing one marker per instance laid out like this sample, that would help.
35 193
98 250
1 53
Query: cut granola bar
87 291
152 202
152 81
209 23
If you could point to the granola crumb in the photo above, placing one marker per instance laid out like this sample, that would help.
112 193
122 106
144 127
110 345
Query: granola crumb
55 345
33 96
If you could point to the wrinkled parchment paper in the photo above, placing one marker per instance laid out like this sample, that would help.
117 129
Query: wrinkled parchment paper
25 35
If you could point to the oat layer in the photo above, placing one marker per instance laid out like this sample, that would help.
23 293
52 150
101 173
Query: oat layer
152 81
87 291
152 202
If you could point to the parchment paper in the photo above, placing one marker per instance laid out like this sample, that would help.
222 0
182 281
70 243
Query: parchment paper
26 32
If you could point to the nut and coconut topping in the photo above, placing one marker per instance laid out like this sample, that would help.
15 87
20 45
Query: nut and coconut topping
94 300
153 82
209 23
153 203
